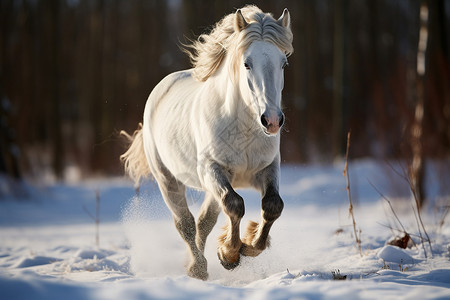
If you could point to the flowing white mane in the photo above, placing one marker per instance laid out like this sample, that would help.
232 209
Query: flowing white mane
208 52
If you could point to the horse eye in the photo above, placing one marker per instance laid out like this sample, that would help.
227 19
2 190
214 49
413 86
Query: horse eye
246 65
286 64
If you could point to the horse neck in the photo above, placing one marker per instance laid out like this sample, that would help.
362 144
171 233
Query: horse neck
230 99
228 91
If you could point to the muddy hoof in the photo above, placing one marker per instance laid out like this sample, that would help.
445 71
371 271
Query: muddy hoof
228 265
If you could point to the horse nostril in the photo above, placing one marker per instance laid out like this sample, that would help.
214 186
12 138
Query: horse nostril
264 121
281 120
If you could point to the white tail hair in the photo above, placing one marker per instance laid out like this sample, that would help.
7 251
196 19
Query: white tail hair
134 160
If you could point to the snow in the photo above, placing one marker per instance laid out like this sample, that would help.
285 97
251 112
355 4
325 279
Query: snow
396 255
48 251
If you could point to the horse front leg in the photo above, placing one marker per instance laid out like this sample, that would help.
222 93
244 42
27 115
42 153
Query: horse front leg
217 181
257 238
230 241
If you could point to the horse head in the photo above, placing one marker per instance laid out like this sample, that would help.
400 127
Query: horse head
261 69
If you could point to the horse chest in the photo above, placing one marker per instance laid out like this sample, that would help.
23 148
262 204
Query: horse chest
245 152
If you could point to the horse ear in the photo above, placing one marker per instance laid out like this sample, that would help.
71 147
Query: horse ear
285 19
239 21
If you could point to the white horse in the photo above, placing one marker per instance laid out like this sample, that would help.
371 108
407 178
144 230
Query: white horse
216 128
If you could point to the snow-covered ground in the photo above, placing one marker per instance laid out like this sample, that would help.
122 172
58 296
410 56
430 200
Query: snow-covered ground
48 251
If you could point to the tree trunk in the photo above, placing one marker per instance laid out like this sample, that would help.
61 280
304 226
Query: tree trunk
56 131
339 74
417 165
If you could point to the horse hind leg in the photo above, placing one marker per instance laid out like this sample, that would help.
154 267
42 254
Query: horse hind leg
173 193
198 265
206 220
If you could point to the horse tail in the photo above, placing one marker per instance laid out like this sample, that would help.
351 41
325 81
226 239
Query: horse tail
134 160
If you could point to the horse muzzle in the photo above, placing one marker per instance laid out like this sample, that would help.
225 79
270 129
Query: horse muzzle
272 122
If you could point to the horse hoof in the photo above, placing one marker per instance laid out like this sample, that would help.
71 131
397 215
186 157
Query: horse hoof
198 268
229 265
202 275
251 251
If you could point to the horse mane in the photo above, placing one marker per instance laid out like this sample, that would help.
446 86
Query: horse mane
209 50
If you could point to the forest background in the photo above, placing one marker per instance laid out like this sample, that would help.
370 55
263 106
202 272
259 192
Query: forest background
74 73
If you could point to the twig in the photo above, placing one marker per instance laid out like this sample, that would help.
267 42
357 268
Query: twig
88 213
444 215
402 231
407 177
96 218
420 233
390 205
350 207
418 215
402 174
